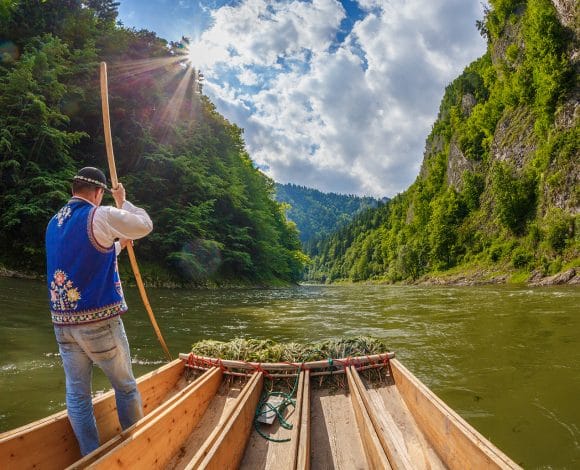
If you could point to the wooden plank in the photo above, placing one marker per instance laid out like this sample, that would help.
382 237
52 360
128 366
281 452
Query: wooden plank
124 435
387 431
290 374
374 451
228 449
281 451
335 441
288 366
391 408
153 391
458 444
295 438
154 444
303 455
50 443
217 413
210 441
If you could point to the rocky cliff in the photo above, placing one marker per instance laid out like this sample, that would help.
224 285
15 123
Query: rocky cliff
498 194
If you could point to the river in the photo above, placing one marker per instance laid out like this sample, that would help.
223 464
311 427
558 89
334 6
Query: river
505 358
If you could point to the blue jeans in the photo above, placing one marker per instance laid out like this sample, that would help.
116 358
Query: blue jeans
103 343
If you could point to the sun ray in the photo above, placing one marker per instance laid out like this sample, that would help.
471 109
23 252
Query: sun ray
170 112
174 72
127 69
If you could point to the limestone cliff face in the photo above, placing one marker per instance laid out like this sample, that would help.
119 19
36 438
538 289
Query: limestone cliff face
568 115
514 138
568 12
457 164
569 15
510 35
514 141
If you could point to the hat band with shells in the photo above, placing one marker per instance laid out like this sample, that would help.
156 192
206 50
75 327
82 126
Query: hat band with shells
100 184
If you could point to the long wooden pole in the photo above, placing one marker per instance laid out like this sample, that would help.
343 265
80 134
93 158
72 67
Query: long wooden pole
114 184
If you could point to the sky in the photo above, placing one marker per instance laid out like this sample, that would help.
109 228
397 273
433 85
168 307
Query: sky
334 95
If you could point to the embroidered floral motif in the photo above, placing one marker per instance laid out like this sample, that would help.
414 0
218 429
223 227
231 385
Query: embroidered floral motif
63 214
63 296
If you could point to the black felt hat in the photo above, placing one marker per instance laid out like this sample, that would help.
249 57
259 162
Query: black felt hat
92 176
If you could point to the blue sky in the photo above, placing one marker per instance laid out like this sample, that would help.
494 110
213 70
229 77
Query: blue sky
334 95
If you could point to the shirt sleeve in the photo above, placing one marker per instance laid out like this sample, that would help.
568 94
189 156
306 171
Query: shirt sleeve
129 222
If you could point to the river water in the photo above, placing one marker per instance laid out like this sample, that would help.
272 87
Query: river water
505 358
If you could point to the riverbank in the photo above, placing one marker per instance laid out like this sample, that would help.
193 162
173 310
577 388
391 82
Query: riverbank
161 282
472 277
477 276
5 272
570 276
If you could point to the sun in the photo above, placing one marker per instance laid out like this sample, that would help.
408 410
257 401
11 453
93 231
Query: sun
200 54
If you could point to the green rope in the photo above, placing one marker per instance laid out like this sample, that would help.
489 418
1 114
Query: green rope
278 410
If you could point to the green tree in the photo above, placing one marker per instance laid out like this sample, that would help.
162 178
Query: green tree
514 197
35 146
442 229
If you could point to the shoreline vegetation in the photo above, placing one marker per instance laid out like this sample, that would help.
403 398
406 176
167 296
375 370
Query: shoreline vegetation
570 275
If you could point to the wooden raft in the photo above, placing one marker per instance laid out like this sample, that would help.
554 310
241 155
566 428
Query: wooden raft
208 423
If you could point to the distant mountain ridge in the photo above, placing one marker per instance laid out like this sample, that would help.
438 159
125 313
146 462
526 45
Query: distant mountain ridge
316 213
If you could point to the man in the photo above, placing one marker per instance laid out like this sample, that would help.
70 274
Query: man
86 298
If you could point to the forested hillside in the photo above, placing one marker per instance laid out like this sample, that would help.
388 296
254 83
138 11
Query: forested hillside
316 213
499 189
214 213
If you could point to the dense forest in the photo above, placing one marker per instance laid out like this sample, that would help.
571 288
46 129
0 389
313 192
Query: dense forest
499 188
215 216
317 214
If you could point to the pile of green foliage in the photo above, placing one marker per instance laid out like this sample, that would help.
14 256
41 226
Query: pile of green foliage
517 212
270 351
316 214
214 213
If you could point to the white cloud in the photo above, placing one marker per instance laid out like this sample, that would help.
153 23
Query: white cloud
349 117
259 32
248 77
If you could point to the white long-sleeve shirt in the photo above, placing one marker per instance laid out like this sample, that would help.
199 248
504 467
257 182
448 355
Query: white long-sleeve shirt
109 224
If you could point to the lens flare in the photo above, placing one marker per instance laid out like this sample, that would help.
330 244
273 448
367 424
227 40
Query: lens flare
198 260
9 52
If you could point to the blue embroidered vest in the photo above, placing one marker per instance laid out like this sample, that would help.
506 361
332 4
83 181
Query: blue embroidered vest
83 279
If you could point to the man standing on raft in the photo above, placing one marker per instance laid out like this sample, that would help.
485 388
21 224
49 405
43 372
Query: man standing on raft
83 240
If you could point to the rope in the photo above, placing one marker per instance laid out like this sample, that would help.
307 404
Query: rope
258 368
265 408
